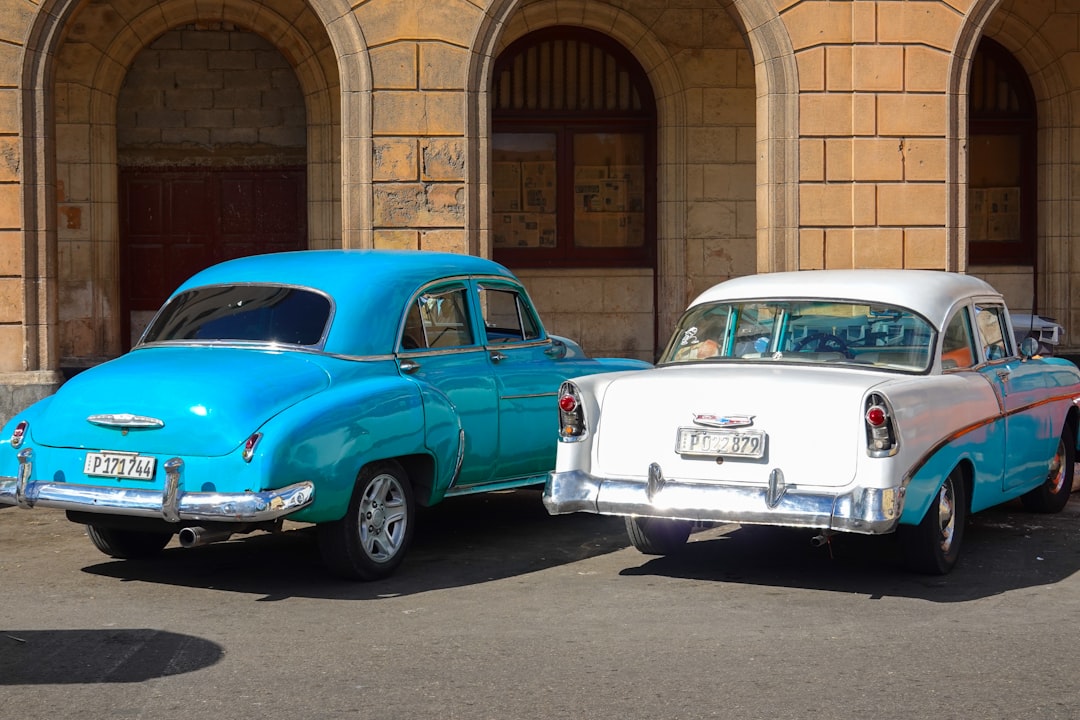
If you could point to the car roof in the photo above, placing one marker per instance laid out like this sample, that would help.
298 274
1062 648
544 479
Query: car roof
931 293
372 284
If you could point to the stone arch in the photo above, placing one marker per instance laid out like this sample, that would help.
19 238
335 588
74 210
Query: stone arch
1055 112
323 51
775 69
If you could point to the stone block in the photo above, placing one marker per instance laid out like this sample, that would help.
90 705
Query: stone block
11 253
385 21
925 248
712 144
877 159
711 220
825 114
825 205
419 205
442 159
926 69
878 247
395 159
394 66
12 344
908 114
708 68
811 249
925 159
10 206
838 159
12 298
443 67
839 251
729 182
680 27
452 241
411 113
396 239
728 106
911 204
918 23
878 68
811 64
838 68
812 160
817 23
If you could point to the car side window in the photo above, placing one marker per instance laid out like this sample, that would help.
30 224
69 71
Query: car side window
957 346
507 317
990 321
438 319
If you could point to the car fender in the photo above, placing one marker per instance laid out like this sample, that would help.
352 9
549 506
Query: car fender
9 461
328 438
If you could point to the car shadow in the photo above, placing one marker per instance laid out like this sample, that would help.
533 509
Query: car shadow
461 541
1004 549
59 657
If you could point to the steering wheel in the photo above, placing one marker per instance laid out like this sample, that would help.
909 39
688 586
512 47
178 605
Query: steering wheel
823 342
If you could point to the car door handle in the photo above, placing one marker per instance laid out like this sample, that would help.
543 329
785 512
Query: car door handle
409 366
1004 374
497 356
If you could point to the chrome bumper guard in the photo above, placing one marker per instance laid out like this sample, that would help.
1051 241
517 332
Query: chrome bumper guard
868 511
171 504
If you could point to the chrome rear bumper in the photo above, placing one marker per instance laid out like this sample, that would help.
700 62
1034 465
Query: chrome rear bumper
170 504
868 511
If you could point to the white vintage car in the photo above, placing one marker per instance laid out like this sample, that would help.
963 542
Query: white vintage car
858 401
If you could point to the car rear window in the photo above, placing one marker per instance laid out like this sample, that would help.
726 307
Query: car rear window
804 331
245 313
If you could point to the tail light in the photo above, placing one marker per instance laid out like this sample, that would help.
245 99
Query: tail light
19 434
571 415
249 446
880 428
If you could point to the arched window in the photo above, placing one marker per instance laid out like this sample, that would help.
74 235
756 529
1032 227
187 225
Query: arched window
573 153
1002 160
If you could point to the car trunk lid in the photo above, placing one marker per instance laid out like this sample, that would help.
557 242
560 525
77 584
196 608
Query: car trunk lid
811 418
193 400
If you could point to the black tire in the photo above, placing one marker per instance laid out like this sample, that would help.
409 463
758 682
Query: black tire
933 546
371 540
657 536
127 544
1051 496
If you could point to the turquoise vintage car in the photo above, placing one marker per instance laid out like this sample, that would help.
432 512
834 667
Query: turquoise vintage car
340 388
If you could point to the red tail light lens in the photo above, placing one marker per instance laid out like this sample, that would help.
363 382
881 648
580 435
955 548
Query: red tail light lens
571 416
19 434
881 438
249 446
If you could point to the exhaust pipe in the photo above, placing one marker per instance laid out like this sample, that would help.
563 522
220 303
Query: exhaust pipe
195 536
822 539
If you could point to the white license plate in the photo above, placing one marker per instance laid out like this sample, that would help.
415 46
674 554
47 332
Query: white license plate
119 465
728 443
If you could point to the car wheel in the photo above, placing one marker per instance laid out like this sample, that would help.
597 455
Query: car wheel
370 541
933 546
657 536
1051 496
127 544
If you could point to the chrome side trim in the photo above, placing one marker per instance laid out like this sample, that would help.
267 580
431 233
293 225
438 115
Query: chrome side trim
867 511
172 505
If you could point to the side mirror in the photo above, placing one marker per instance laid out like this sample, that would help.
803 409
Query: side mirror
1029 348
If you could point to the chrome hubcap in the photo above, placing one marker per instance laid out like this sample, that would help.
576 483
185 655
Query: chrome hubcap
382 518
946 515
1056 477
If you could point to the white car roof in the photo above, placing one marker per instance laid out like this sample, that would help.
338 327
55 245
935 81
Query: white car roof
931 293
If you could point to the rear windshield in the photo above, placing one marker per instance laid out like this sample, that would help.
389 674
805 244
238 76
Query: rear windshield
245 313
804 331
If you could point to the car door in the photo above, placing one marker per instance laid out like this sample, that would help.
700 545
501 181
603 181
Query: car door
1019 387
441 353
527 375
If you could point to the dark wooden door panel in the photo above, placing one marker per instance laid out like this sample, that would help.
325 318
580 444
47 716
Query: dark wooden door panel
175 222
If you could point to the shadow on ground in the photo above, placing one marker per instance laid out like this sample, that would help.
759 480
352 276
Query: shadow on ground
461 541
1004 549
56 657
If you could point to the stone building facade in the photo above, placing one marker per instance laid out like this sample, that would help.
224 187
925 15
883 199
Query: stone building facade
727 136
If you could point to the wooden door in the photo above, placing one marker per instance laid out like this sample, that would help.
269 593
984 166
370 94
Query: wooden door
175 222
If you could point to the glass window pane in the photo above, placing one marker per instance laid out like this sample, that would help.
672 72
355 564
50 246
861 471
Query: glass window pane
445 317
609 190
523 188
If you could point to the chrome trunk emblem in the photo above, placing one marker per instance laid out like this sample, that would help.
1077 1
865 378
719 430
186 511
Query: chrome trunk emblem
723 421
125 420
